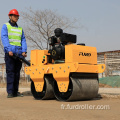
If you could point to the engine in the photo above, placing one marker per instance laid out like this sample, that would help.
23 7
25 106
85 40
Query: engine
58 43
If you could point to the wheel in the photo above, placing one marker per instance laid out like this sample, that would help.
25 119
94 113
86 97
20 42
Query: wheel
63 96
81 87
47 92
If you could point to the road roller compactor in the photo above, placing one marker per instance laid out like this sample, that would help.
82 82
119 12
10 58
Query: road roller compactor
67 71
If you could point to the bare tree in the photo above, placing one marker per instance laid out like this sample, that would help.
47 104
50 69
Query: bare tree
40 25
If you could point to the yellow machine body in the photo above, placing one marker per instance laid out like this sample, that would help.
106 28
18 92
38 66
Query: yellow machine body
78 59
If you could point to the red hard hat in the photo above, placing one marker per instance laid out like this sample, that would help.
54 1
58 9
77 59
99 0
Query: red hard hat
13 12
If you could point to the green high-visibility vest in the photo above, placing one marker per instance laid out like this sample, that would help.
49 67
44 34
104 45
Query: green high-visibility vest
14 34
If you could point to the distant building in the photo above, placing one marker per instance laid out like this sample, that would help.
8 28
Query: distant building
112 61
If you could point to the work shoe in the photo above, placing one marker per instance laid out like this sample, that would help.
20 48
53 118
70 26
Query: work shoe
10 95
18 94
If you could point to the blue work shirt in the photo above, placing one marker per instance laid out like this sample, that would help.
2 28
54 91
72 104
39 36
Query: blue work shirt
5 40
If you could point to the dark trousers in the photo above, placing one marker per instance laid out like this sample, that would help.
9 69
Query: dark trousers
13 67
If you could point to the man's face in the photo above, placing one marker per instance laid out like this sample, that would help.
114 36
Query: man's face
14 18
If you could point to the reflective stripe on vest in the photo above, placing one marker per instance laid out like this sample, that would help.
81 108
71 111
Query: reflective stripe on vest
14 35
13 40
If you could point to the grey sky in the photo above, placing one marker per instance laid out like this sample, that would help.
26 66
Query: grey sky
100 18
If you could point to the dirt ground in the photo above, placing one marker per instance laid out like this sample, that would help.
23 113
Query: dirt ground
104 107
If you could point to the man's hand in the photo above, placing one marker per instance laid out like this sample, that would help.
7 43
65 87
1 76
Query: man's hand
10 53
24 54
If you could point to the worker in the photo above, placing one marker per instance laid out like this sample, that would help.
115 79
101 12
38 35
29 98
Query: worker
14 43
